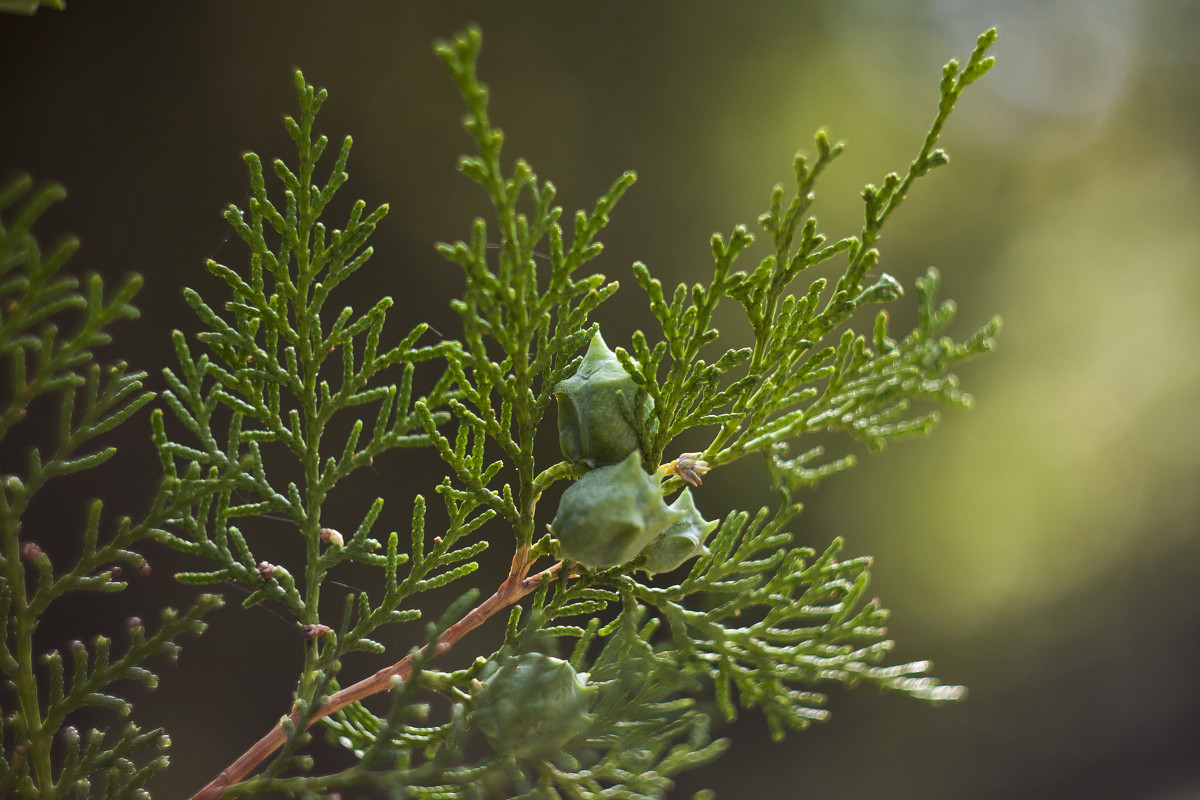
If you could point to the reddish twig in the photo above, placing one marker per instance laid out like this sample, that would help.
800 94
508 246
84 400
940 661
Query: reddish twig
515 586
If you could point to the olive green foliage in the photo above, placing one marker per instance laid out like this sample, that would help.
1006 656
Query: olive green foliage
757 619
50 328
598 687
274 374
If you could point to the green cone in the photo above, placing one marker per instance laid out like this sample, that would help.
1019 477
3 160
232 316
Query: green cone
610 514
681 540
533 705
596 409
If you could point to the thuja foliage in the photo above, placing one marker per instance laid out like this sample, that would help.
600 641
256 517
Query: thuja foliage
629 605
50 329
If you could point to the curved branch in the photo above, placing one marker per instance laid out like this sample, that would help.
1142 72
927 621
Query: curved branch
514 587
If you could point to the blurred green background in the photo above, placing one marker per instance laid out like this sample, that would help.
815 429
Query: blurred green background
1041 549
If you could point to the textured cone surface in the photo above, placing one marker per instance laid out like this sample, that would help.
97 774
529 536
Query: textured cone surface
681 540
596 409
533 705
610 514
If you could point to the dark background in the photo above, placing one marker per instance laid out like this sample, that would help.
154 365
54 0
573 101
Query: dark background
1041 550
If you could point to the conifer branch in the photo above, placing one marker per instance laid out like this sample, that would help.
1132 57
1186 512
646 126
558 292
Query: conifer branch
753 621
784 618
36 300
516 586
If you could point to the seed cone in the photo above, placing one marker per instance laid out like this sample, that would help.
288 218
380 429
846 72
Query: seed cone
610 514
598 412
681 540
533 705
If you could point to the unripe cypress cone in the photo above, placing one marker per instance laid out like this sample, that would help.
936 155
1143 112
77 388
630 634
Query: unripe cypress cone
681 540
598 412
533 705
610 514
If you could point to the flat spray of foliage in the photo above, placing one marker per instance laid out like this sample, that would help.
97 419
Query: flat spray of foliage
49 332
598 688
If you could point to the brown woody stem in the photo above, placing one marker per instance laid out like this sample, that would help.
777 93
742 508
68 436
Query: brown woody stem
515 586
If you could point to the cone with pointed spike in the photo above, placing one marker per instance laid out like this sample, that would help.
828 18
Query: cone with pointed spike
681 540
610 514
599 413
